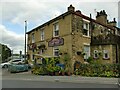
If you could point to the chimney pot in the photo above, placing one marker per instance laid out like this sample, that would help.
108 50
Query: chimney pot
71 8
78 11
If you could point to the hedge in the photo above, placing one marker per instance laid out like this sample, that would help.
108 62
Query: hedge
98 70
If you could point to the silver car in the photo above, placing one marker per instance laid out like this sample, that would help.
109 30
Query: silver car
14 61
119 82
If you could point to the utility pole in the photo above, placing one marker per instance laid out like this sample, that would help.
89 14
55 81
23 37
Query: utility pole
20 56
12 54
25 38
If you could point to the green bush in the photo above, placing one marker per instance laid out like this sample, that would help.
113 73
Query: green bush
39 70
98 70
90 59
50 68
57 69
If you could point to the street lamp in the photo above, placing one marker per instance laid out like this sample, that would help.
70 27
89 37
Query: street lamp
12 53
25 38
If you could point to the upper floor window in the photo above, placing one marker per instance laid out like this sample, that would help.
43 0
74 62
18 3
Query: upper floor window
55 29
105 54
86 28
118 32
42 51
42 34
33 38
108 31
28 37
101 30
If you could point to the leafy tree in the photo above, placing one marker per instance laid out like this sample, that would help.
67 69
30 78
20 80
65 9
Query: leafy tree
5 52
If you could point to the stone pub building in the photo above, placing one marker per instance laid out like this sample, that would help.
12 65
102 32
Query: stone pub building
78 35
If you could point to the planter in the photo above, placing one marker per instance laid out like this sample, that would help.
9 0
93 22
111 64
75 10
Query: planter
62 73
56 73
68 73
51 73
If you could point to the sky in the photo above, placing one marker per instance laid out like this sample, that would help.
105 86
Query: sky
14 13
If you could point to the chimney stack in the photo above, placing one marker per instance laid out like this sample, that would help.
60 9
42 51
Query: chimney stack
71 8
102 17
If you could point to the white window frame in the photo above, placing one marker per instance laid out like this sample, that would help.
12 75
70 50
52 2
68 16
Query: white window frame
88 53
96 53
55 29
101 30
55 49
108 31
42 34
33 38
32 57
41 51
104 54
86 26
116 32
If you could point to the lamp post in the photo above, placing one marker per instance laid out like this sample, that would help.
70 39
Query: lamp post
25 38
12 54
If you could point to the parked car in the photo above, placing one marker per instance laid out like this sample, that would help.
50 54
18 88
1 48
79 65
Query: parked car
14 61
30 65
17 67
119 82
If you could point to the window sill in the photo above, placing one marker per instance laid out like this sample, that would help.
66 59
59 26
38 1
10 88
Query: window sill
42 40
32 60
96 58
86 36
55 36
106 58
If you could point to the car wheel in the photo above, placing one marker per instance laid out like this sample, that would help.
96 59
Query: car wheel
5 66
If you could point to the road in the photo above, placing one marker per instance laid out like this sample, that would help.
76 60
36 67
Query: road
28 80
48 84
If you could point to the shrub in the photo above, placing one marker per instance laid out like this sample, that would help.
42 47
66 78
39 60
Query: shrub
57 69
39 70
77 72
90 59
98 70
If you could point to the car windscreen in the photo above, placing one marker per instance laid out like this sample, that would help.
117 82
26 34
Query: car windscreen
16 60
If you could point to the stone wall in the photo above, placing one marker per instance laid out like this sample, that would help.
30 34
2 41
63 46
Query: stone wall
111 50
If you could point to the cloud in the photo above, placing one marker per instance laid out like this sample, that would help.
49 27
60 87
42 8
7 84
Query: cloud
32 11
36 11
14 41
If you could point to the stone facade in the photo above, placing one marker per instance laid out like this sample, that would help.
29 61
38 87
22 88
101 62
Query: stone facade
77 35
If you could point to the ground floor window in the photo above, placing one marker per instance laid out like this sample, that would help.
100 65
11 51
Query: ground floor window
32 57
106 54
86 51
56 51
41 51
96 55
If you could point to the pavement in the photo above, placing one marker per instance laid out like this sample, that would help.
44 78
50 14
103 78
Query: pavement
73 79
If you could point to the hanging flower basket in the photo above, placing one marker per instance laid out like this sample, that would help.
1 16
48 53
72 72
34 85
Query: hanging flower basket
42 46
83 53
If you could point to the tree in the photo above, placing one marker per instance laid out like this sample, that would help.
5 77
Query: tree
5 52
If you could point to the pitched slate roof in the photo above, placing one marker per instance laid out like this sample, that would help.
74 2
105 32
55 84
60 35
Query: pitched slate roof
78 13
